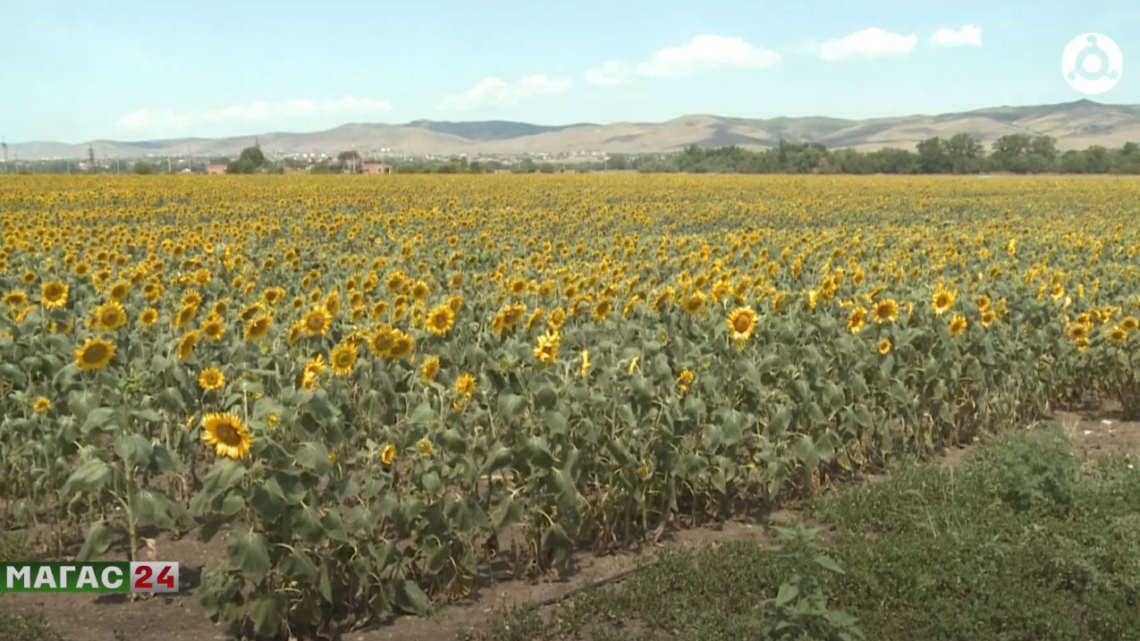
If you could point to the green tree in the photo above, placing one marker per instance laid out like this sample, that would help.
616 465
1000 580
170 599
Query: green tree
143 168
251 160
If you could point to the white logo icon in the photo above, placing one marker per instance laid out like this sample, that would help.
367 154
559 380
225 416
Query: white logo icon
1092 63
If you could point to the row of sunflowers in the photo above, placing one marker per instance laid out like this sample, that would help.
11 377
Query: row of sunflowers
377 387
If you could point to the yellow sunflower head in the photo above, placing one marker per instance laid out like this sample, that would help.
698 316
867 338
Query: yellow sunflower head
258 327
317 321
94 354
110 316
958 325
342 359
885 311
742 323
186 345
227 434
430 368
211 379
465 385
440 320
53 294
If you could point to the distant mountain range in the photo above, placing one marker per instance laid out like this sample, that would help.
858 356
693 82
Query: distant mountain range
1075 125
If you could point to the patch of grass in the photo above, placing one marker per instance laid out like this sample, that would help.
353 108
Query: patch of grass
1012 545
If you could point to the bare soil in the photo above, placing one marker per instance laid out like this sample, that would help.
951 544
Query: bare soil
80 617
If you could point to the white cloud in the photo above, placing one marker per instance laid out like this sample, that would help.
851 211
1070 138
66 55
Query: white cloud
148 119
967 36
498 92
610 73
869 43
701 53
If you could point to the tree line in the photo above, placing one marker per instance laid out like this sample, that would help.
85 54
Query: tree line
959 154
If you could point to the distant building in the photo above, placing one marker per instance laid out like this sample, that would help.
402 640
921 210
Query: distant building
215 168
296 170
377 168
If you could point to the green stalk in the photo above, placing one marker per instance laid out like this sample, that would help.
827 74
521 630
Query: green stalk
132 535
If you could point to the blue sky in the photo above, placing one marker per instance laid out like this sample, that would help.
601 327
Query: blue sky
77 70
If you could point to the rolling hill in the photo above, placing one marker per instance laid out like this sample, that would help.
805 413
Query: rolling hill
1075 125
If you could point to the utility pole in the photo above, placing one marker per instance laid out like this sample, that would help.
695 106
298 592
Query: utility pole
91 156
4 144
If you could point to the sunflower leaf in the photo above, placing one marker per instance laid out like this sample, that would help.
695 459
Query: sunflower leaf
314 456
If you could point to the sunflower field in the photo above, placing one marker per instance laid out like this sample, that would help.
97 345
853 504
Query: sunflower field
375 387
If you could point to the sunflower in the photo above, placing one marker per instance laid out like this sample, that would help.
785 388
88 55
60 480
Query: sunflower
857 320
332 303
317 321
388 454
943 300
602 309
29 277
53 294
250 311
378 310
430 368
185 315
213 328
420 290
311 371
512 314
983 302
94 354
440 320
465 385
342 359
381 341
885 346
41 405
685 380
425 447
296 331
211 379
885 311
693 303
742 323
1078 331
119 291
227 434
958 325
1129 324
1117 334
110 316
546 349
556 319
402 345
186 344
988 317
15 298
258 327
273 296
455 302
585 362
148 317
